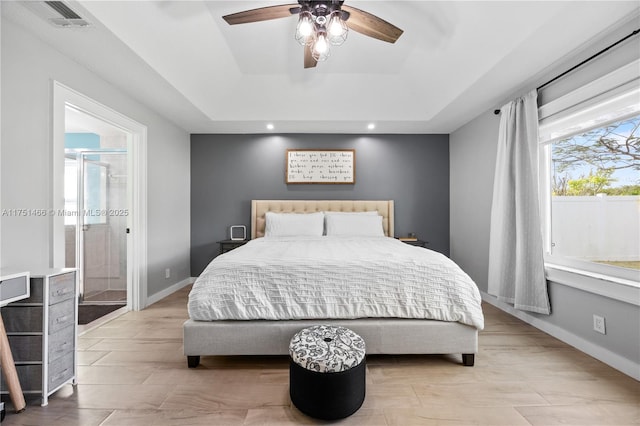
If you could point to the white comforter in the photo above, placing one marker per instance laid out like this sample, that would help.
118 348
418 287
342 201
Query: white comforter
334 277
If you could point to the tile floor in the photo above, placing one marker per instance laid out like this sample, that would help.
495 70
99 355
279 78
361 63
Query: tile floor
132 372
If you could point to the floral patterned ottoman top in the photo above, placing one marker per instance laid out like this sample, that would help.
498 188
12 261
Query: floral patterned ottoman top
327 349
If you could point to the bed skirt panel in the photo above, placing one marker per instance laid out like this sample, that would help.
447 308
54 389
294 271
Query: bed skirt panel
382 336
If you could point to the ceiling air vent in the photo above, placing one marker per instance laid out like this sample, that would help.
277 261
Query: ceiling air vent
68 17
63 9
57 13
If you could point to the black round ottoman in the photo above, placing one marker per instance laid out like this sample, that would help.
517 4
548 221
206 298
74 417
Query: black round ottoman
327 371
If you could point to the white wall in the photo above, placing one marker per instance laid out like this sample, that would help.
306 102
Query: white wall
29 66
472 153
472 163
472 157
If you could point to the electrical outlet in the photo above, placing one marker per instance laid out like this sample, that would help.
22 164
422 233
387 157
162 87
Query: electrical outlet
599 324
167 274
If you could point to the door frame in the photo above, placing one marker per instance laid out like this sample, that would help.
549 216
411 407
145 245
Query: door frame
137 169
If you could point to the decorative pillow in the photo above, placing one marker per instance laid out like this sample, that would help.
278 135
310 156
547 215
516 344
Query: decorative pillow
294 224
354 225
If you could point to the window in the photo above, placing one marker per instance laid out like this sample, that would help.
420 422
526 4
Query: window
595 191
590 178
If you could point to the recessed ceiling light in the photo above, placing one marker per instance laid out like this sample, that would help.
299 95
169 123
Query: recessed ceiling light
270 126
371 126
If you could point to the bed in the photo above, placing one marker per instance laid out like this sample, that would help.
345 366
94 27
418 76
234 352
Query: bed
250 328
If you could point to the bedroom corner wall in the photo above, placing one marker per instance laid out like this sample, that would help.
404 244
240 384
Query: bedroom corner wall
228 171
29 66
473 151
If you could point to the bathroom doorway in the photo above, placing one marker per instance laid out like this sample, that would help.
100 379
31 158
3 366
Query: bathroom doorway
96 192
65 103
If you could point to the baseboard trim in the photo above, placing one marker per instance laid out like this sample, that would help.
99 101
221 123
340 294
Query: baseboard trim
156 297
85 328
612 359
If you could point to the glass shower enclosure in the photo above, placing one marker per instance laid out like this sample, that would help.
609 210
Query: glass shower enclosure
96 223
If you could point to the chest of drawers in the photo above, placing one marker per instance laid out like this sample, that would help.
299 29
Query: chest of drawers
42 332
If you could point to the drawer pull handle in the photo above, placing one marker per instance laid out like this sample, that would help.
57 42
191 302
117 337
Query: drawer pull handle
63 291
62 319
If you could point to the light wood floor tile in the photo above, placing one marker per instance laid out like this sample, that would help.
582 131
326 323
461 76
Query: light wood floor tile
132 371
105 332
160 333
140 322
219 377
175 417
35 415
141 357
111 375
119 397
399 374
390 396
548 372
585 392
87 342
89 357
232 396
277 416
280 416
137 345
455 416
583 415
486 394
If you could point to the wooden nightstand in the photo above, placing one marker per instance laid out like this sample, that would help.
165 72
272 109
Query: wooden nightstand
228 245
417 243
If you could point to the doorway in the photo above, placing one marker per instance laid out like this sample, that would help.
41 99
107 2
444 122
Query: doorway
65 101
96 195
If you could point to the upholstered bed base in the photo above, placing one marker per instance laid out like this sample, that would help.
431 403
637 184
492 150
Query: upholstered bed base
382 336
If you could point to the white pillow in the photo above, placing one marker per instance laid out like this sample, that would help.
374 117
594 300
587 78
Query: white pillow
331 213
354 225
367 213
294 224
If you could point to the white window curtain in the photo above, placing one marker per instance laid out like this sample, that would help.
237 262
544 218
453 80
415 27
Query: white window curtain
516 256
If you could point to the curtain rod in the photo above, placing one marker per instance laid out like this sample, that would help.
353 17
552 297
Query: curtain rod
497 111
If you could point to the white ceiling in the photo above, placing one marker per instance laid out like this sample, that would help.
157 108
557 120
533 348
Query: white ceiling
454 61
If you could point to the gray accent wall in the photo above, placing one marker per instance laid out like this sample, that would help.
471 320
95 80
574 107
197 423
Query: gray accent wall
228 171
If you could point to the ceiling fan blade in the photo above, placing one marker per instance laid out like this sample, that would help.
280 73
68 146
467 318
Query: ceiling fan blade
309 61
370 25
262 14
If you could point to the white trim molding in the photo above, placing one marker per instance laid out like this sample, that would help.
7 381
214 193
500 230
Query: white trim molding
620 289
169 290
63 96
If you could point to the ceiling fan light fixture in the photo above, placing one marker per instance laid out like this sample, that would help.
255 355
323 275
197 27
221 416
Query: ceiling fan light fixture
320 49
321 24
337 29
305 28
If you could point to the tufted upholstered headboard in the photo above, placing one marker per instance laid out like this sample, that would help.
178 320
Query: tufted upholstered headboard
260 207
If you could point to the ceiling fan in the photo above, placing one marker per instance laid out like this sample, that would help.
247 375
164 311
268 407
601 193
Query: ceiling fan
321 24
